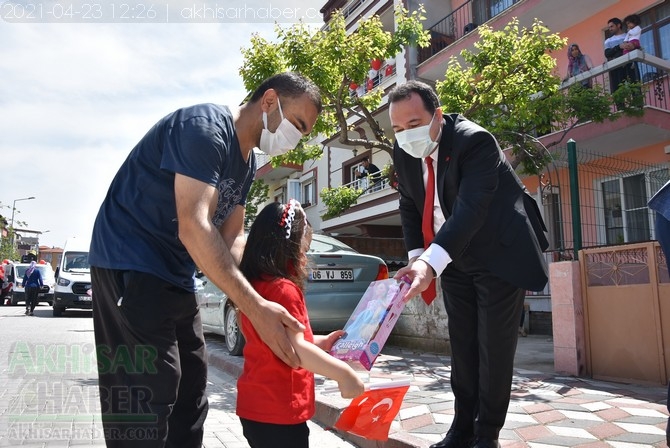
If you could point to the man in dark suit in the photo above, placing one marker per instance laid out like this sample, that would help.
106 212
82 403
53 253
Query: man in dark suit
485 243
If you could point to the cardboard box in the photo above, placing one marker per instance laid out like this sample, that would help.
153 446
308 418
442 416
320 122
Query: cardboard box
370 324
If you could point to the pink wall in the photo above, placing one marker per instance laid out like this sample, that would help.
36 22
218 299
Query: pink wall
590 34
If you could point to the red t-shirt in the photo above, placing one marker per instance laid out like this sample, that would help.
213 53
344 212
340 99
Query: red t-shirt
269 391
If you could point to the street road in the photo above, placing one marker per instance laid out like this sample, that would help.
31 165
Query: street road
49 395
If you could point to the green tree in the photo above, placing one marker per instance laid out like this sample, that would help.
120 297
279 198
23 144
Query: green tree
258 194
510 85
334 58
6 249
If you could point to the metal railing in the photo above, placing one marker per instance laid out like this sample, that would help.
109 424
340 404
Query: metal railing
368 185
460 22
653 73
596 199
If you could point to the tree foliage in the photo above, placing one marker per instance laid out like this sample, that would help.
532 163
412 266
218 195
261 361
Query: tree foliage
509 84
334 58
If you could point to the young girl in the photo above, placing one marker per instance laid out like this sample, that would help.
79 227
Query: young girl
632 40
275 401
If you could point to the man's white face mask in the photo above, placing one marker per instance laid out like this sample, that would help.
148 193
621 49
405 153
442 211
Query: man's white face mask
417 142
283 139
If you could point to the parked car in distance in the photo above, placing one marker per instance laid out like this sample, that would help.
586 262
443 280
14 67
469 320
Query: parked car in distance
46 294
338 277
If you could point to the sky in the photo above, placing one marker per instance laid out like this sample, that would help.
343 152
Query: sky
78 91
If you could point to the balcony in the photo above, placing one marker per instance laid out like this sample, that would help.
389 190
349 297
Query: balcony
626 133
454 29
460 22
374 214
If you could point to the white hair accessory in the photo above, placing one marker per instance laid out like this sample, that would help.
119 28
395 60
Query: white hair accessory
288 216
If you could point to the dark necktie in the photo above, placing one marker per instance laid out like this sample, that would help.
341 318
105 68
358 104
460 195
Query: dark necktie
427 225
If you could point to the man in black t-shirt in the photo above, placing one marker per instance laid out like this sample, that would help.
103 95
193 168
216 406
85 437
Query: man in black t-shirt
373 172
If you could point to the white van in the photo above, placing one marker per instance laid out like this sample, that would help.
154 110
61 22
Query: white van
73 278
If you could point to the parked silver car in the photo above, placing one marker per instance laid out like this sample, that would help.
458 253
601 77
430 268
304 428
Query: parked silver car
338 278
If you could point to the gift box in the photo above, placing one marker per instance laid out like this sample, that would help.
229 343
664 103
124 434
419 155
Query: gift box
370 324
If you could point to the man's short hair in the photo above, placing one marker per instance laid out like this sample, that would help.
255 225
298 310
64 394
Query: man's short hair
291 85
426 92
616 21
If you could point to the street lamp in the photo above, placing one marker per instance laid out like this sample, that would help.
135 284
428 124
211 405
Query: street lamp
13 210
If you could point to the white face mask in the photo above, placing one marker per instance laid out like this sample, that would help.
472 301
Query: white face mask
283 139
417 142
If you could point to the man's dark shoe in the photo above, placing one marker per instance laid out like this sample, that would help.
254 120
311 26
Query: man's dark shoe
455 439
484 442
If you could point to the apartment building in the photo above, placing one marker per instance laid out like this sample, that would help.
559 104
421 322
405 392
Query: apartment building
593 194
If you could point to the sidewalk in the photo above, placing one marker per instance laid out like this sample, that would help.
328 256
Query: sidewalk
546 409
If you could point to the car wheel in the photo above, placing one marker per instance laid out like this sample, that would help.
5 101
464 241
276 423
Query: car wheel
231 326
58 311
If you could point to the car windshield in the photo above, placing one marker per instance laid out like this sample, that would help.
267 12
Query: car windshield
76 261
325 244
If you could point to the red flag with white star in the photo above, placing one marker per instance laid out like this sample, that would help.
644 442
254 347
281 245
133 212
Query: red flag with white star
370 415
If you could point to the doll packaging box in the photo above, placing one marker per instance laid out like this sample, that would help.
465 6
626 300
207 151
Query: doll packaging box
370 324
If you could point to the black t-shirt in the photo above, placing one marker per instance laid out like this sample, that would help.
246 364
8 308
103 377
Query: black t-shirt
136 227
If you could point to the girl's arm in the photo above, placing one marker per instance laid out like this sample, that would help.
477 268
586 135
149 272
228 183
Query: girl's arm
316 360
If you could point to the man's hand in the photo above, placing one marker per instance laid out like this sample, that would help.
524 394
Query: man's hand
272 322
420 274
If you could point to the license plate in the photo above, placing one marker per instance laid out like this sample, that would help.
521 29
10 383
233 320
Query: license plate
332 275
84 298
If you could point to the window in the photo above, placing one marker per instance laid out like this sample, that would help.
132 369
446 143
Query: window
293 189
355 171
655 38
552 218
485 10
626 217
309 192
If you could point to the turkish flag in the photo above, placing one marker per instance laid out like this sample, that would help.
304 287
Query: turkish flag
370 415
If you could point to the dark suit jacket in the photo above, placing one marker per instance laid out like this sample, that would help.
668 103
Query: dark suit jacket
489 213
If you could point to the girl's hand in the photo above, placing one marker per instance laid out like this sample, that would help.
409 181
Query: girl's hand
351 385
328 341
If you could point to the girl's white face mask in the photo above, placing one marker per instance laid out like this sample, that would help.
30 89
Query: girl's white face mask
285 138
417 142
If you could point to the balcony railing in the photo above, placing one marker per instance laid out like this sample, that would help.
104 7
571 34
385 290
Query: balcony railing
653 73
368 186
460 22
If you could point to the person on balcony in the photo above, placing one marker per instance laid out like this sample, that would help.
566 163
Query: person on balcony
371 172
613 50
578 63
471 222
632 39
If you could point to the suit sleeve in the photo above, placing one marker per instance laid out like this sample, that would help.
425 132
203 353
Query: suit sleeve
410 215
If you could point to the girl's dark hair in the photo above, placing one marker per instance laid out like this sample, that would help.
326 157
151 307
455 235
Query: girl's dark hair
426 92
632 18
268 253
290 85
